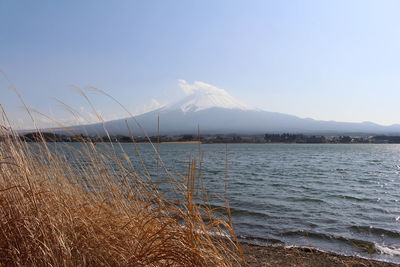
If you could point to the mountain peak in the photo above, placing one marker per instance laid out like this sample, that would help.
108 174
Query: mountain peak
201 96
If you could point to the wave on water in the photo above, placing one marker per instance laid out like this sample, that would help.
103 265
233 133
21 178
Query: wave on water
375 231
363 245
259 240
306 199
388 250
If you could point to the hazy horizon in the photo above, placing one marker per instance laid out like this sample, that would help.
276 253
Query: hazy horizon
327 61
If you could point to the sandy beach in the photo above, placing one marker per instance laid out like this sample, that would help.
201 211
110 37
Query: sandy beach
281 256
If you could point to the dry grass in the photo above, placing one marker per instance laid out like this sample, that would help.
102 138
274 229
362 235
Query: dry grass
74 210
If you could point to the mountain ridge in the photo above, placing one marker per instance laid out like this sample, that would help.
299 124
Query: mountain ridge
216 112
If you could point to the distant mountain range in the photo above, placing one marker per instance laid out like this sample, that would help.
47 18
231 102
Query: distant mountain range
216 112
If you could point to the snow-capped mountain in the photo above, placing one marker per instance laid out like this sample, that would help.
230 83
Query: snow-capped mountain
215 111
205 99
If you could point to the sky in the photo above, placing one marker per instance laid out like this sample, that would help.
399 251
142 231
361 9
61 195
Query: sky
327 60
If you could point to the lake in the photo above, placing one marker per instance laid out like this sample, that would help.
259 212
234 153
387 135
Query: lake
343 198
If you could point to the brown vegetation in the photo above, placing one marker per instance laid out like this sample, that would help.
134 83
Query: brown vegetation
56 211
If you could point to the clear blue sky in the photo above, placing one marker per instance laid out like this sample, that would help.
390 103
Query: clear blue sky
330 60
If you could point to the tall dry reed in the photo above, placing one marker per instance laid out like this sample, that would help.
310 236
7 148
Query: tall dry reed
67 207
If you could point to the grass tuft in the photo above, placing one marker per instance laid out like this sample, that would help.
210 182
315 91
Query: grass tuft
67 207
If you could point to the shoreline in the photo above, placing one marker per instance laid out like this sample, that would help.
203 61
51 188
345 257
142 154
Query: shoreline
257 255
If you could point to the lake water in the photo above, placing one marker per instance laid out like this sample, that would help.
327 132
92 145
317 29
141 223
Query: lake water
334 197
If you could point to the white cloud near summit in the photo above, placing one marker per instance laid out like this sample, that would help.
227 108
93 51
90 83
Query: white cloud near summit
201 95
153 105
201 87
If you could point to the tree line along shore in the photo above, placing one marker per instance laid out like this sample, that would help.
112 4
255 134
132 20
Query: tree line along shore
216 138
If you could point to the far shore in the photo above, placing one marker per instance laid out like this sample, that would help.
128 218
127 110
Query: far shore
214 138
182 142
256 255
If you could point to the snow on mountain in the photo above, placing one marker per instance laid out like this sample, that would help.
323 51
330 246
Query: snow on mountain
201 96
